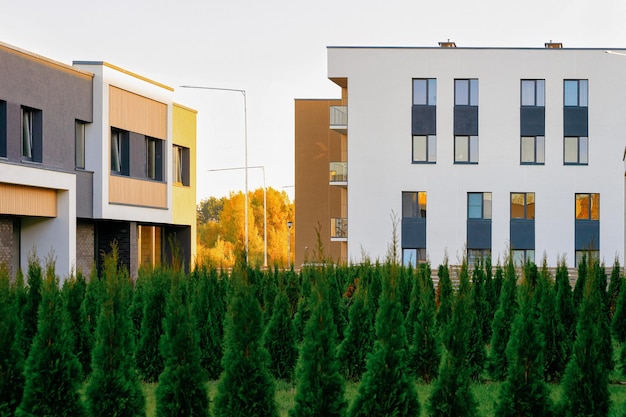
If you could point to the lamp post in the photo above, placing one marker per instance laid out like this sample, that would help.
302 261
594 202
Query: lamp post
245 120
289 224
264 206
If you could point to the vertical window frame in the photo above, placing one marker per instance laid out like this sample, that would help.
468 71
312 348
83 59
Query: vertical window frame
79 144
485 199
582 143
539 92
526 201
470 146
591 206
538 148
417 200
430 92
429 145
582 93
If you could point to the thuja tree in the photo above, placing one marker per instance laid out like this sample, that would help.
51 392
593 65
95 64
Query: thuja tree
182 390
386 387
93 300
414 309
501 326
74 289
604 323
148 359
445 296
320 387
113 388
359 334
476 353
304 309
136 307
579 287
52 372
424 352
618 324
615 287
451 395
552 329
34 279
585 383
245 387
524 392
280 338
480 301
12 357
565 312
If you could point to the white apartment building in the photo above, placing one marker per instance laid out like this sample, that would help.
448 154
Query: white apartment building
476 151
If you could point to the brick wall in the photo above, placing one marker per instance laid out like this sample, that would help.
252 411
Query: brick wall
85 247
6 244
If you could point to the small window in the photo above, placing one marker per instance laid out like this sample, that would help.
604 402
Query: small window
575 93
478 206
154 154
523 206
533 93
181 165
425 148
522 256
413 256
79 144
532 150
589 255
119 152
466 92
425 92
31 134
576 150
477 255
414 205
466 149
588 206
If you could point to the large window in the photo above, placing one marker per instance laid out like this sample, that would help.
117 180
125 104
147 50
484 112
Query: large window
181 165
79 144
575 93
425 92
424 148
523 206
414 205
466 149
119 152
533 93
532 150
154 157
466 92
588 206
576 150
478 206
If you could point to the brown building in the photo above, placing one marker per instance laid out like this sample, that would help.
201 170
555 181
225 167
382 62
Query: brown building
321 186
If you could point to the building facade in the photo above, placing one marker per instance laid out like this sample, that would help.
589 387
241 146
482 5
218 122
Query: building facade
478 151
91 155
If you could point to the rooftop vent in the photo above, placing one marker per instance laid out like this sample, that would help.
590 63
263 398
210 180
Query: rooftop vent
554 45
447 44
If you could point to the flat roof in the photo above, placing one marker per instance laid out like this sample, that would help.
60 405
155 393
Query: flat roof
122 70
44 59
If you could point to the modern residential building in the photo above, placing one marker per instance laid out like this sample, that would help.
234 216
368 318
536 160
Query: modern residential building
92 154
478 151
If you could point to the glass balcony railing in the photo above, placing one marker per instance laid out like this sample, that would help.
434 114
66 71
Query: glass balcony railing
338 228
339 118
338 172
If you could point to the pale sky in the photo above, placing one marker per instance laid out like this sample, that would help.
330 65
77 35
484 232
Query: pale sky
276 51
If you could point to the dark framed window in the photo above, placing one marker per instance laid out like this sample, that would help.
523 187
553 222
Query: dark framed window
3 129
587 206
576 150
424 148
120 152
589 255
532 150
79 144
523 206
522 256
533 93
414 205
477 255
466 92
31 134
413 256
154 158
425 92
575 93
181 165
479 206
466 149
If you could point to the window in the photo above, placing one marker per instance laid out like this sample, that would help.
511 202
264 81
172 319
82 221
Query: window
79 144
181 165
414 205
425 92
154 153
466 92
119 152
588 206
477 255
533 93
425 148
575 93
466 149
479 205
3 129
31 134
522 256
523 206
413 256
532 150
589 255
576 150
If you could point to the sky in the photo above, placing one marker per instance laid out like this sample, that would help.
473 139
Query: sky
275 50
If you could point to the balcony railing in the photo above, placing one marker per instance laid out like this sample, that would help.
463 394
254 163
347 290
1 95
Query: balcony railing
338 172
339 118
338 228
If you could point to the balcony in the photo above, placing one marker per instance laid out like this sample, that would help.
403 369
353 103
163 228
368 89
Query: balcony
338 230
338 174
339 119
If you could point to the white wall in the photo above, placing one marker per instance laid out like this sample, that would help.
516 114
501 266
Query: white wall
379 146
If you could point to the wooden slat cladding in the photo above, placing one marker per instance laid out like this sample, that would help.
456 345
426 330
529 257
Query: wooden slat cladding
131 191
136 113
27 201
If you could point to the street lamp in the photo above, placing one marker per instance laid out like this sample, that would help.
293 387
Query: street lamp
245 120
264 207
289 224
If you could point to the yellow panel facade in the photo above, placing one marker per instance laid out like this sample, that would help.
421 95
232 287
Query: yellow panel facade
124 190
184 196
135 113
27 201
